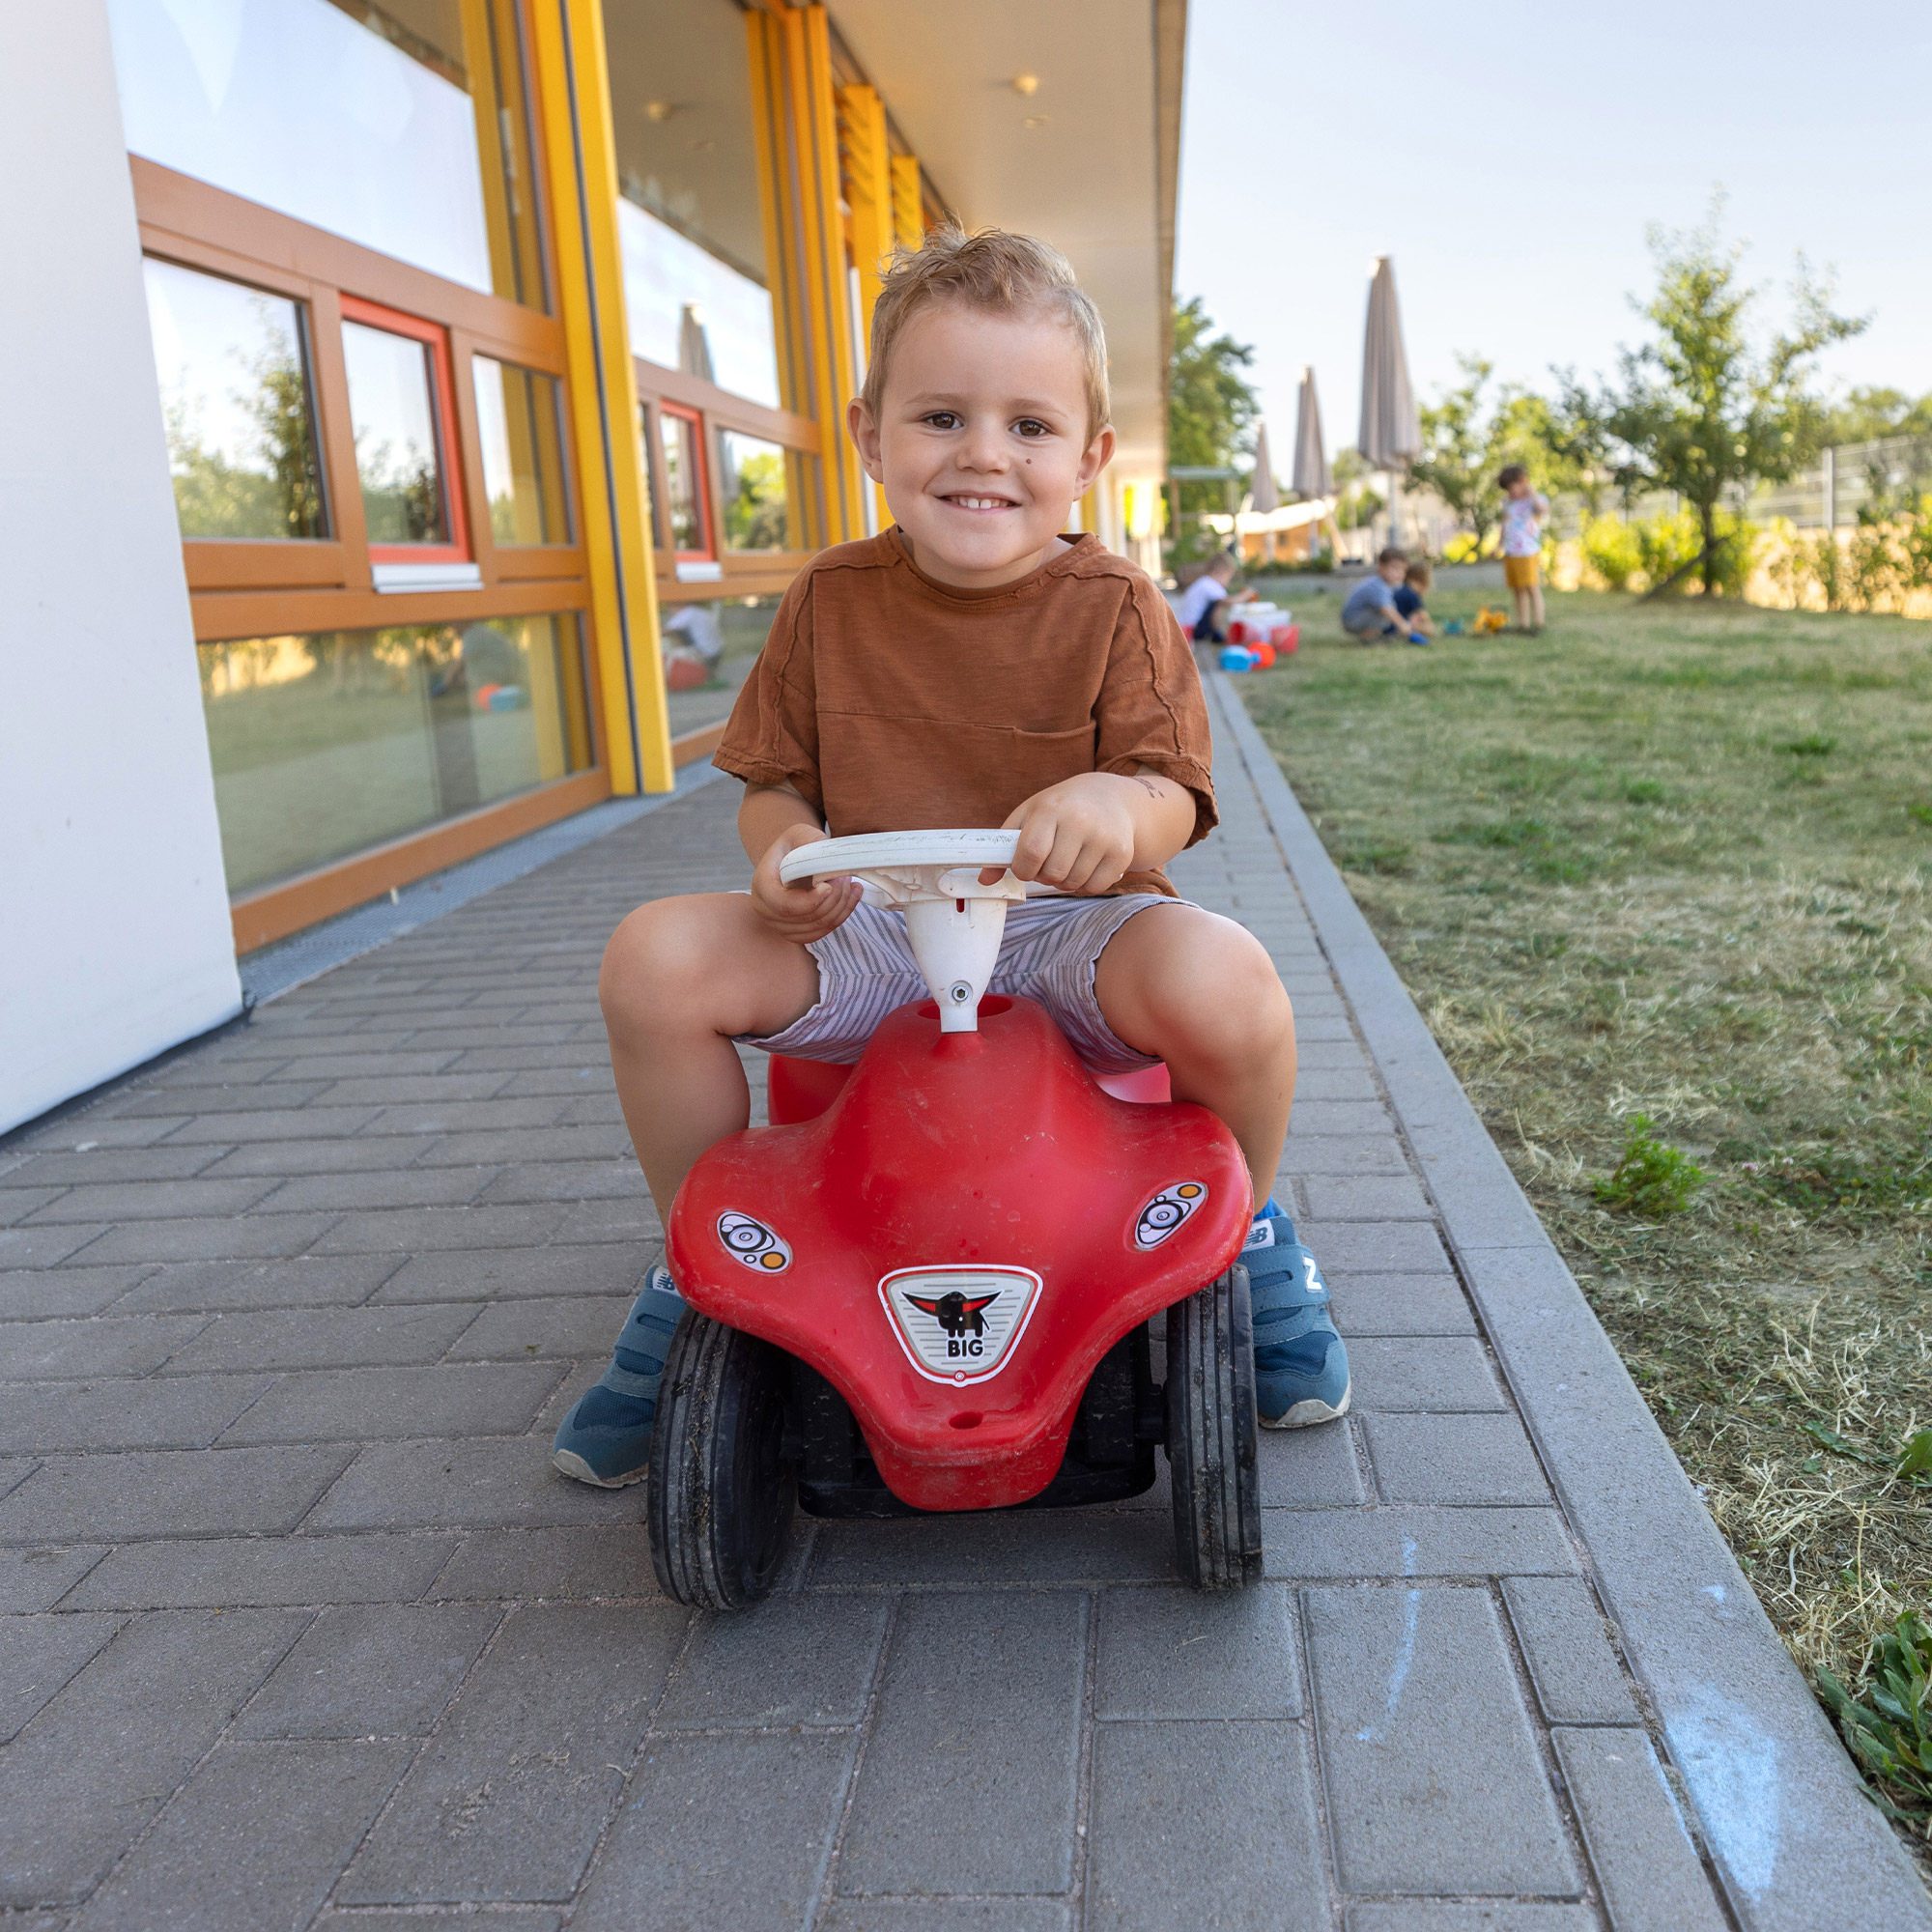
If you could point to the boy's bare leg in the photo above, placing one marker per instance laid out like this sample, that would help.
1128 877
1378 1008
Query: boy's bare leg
1536 606
680 978
1201 993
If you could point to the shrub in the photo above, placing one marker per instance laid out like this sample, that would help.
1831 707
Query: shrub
1890 1732
1666 544
1611 550
1651 1177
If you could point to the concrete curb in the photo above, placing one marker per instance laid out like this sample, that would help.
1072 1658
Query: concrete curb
1799 1846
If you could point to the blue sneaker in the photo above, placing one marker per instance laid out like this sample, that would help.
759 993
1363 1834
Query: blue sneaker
1301 1365
605 1439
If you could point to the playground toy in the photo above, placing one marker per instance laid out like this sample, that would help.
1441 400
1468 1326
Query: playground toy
928 1283
1487 621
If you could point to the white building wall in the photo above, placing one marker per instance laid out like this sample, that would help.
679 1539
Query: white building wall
114 933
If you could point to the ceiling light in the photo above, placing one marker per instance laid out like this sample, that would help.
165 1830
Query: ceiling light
1026 83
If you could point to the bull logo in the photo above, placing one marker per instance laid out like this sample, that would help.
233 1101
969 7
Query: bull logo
958 1313
960 1325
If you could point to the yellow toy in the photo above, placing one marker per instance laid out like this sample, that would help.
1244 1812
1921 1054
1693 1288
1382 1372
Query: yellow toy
1487 621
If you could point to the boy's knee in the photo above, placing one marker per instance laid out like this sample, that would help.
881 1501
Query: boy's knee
1208 986
659 960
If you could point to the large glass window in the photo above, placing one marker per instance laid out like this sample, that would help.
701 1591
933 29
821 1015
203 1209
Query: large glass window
236 397
752 474
399 412
325 743
400 124
690 223
519 425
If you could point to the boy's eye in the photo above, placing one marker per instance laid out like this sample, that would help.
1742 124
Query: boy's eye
941 419
1031 426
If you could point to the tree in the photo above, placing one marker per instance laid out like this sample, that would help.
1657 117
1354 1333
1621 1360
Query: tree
1701 409
1211 407
1868 415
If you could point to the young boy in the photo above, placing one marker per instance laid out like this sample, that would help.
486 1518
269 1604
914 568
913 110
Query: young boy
1206 603
970 666
1370 614
1523 513
1410 593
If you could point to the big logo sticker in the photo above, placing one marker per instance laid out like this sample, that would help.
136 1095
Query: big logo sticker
1166 1211
960 1325
754 1243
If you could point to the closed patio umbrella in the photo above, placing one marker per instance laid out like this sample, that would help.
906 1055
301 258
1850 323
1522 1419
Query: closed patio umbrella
694 346
1311 476
1262 494
1391 435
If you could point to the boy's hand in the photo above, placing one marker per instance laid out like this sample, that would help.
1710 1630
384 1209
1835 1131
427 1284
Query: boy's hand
1080 835
807 911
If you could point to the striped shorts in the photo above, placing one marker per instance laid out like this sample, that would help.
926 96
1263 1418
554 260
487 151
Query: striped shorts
1047 953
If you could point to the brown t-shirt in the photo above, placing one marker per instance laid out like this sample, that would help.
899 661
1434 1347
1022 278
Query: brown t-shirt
892 703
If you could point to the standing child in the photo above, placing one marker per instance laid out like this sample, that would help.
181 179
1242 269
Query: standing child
1525 512
969 667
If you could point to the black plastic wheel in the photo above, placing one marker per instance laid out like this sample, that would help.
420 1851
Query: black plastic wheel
721 1493
1211 1436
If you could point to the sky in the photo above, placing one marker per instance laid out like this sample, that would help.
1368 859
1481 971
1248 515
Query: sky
1510 159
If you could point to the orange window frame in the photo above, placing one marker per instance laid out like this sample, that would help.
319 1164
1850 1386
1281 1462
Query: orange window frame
700 481
442 401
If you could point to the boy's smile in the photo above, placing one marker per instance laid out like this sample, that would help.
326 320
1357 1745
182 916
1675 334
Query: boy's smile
984 445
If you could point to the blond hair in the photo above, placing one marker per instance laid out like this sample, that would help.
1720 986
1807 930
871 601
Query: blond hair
998 274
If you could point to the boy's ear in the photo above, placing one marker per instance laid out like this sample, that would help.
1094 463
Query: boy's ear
1099 453
864 434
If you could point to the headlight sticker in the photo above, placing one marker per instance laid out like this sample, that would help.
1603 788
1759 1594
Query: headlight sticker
752 1243
1166 1211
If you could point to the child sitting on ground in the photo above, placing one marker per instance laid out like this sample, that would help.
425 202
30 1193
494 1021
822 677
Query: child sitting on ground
1370 614
1206 603
971 666
1416 583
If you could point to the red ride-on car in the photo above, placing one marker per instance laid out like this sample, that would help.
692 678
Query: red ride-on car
929 1286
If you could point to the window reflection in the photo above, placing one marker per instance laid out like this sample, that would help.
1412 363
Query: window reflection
328 743
400 124
234 395
680 439
520 428
690 223
392 409
752 474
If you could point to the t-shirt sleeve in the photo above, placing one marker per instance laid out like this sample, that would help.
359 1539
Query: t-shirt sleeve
772 736
1150 710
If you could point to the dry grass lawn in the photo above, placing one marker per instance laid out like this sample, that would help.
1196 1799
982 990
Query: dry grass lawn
1676 861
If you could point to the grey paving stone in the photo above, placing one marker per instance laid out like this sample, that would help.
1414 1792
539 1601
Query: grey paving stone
604 1268
99 1128
1393 1197
629 1218
309 1281
1348 1053
1376 1247
1323 1027
389 1089
1203 1825
513 1059
426 1118
37 1656
511 1145
1310 1468
730 1831
947 1914
36 1579
497 1483
282 1123
1036 1545
1652 1878
150 1200
1440 1914
454 1918
1412 1688
561 1080
248 1237
566 1327
255 1839
45 1247
37 1294
384 1065
967 1783
1166 1653
166 1413
22 1204
155 1163
285 1157
161 1690
1564 1641
1348 1082
370 1404
215 1572
15 1470
315 1338
1336 1116
601 1110
569 1181
414 1229
790 1660
508 1798
611 1559
1453 1459
385 1187
1402 1304
169 1492
110 1345
214 1099
371 1670
1470 1541
1441 1373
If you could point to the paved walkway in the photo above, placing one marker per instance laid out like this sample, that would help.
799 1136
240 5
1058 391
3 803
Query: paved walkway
299 1628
